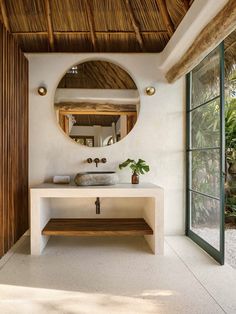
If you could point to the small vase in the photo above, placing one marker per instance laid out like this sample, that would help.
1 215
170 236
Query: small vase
135 178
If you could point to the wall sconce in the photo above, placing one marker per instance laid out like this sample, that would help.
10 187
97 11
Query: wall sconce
150 90
42 91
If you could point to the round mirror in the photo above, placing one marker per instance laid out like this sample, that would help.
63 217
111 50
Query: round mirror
96 103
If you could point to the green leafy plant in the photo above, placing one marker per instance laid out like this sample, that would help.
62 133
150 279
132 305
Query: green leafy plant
139 167
230 130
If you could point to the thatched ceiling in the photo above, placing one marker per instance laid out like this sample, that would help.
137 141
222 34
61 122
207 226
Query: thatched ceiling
97 74
93 25
230 54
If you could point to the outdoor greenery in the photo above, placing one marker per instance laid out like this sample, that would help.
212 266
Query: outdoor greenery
230 143
205 133
230 130
206 164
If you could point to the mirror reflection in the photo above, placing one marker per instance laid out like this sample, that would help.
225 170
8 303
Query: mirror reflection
96 103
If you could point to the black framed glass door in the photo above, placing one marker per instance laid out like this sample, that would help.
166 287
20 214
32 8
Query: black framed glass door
205 154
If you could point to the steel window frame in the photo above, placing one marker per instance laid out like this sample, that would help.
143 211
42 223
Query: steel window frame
218 255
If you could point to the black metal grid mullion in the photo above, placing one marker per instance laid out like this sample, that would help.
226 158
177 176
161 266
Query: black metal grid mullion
204 194
217 254
203 148
203 104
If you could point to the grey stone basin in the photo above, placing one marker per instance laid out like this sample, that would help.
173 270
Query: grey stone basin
96 178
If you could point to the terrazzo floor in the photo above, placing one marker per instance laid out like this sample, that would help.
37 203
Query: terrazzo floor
212 236
114 275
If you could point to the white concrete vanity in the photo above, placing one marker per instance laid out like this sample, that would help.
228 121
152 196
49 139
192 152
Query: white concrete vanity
152 211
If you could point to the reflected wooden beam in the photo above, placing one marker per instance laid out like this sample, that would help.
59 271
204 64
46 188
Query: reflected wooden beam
166 17
4 15
103 113
49 25
135 25
210 37
95 107
91 23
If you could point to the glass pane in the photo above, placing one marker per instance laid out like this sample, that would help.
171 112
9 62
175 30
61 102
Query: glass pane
89 142
80 141
230 124
206 79
206 171
205 125
205 219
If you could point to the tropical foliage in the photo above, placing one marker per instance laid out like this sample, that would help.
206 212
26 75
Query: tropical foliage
230 143
205 141
139 167
230 130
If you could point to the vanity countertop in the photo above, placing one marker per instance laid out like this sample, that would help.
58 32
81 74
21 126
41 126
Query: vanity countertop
118 190
139 186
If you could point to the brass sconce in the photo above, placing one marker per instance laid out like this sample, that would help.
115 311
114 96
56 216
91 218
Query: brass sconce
42 91
150 90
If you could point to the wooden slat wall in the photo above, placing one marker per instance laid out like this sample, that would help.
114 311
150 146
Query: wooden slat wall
13 142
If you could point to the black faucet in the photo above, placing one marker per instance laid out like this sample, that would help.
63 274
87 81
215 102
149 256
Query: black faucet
97 161
97 203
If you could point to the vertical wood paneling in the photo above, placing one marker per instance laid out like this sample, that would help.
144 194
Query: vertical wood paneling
1 141
13 142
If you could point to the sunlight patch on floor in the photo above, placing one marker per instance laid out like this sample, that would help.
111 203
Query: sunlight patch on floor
16 299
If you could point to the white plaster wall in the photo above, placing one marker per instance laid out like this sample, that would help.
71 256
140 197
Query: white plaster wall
158 136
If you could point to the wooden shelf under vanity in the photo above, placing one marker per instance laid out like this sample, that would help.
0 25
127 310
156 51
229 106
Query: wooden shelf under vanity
97 227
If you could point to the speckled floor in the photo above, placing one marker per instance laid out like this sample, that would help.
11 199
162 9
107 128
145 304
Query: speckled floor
212 236
114 275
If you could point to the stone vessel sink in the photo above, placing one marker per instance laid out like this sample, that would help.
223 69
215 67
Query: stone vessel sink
96 178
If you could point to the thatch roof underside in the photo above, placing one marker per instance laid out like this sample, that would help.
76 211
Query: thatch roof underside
93 25
230 54
207 73
97 75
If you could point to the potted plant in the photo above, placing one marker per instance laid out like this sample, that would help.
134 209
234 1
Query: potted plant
139 167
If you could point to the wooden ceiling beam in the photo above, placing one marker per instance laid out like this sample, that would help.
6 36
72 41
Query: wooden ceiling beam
165 16
212 35
49 24
88 32
186 5
30 33
4 15
91 24
135 25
